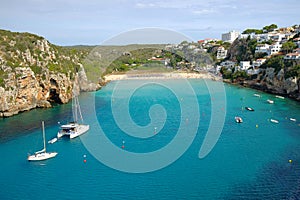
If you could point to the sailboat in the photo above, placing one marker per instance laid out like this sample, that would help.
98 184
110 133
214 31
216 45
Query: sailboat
74 129
42 154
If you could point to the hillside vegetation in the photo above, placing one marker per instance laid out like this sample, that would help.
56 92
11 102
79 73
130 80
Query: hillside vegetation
29 50
35 73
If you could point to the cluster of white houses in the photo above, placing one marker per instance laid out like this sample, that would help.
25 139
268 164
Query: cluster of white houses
277 37
268 49
269 43
293 56
251 69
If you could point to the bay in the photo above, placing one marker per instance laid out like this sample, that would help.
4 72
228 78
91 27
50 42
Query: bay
250 160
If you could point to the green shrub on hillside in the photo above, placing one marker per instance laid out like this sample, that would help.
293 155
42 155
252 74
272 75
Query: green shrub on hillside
36 69
275 62
293 72
13 45
2 73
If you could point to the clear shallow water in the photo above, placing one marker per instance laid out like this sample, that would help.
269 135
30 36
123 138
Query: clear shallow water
247 162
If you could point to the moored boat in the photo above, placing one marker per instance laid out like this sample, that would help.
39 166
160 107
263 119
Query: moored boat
52 140
248 108
74 129
238 119
293 119
274 121
42 154
270 101
280 97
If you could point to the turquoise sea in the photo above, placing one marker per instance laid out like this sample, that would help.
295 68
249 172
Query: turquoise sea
256 159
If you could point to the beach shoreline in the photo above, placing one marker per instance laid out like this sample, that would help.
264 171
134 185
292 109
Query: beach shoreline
163 75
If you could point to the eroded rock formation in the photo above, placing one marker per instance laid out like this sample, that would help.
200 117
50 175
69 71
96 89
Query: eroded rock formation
35 73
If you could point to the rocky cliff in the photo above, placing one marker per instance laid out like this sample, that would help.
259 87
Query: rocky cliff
277 75
35 73
276 83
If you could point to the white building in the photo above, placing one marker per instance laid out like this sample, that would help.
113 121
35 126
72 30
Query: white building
262 48
292 56
230 37
245 36
221 52
278 37
275 48
258 62
297 41
269 49
244 65
228 64
262 37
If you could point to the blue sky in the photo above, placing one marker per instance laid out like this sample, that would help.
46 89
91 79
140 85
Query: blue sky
71 22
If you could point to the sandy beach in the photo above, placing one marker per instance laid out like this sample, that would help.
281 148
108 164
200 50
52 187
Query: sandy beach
169 75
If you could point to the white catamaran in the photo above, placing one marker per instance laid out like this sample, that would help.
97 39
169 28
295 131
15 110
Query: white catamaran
74 129
42 154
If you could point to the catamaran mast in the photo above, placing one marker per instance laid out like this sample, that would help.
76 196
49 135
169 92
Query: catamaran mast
79 110
76 108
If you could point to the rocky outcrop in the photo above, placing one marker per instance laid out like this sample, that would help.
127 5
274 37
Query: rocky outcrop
84 83
35 73
24 90
241 49
270 81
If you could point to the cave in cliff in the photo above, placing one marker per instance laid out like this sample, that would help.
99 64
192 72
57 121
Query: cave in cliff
53 82
54 96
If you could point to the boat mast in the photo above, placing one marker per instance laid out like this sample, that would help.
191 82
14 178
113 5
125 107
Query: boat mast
44 135
79 110
76 108
74 102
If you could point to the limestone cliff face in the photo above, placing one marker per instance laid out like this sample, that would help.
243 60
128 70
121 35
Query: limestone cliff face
35 73
84 84
24 90
276 83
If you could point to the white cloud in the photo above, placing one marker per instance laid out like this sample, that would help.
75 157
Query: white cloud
204 11
168 4
145 5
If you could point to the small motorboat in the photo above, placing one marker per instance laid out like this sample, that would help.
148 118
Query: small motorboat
248 108
280 97
270 101
238 119
256 95
293 119
274 121
52 140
